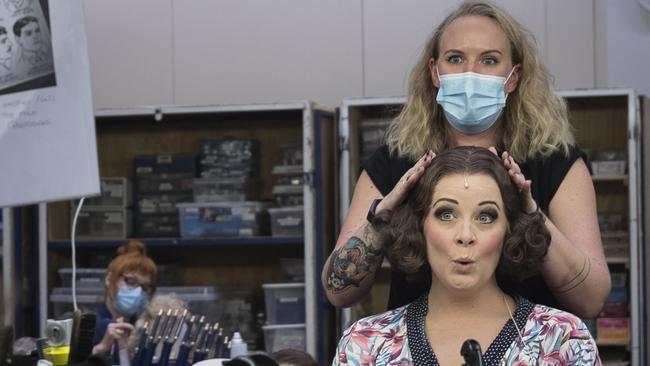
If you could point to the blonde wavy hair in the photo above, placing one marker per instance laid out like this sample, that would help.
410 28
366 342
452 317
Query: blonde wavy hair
534 121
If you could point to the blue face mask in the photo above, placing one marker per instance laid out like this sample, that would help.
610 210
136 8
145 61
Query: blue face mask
129 301
472 102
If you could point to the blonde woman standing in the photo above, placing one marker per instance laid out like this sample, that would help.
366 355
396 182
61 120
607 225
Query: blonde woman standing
480 82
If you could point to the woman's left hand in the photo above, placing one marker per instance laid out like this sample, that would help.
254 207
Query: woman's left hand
518 178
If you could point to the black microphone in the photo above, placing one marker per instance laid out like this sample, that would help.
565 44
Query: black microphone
471 352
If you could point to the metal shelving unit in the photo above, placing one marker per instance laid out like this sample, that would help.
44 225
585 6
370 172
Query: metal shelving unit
314 124
603 118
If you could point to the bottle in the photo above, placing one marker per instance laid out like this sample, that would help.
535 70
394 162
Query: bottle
238 346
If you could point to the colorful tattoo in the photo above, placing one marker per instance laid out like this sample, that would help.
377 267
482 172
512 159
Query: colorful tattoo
351 263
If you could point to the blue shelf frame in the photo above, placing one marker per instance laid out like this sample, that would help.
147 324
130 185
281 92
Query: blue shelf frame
171 242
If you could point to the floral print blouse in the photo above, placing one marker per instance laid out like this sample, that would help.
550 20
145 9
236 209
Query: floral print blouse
396 337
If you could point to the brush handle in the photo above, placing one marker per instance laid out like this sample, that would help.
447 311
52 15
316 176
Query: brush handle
198 356
142 344
164 354
149 352
183 352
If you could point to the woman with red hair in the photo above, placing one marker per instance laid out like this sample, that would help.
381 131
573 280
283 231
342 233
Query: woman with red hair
130 283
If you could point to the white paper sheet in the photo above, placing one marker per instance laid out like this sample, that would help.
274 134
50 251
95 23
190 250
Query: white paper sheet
47 132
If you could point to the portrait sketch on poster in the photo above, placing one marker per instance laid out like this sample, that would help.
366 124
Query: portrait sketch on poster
47 126
26 59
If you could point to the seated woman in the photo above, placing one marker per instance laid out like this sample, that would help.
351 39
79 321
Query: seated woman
463 225
130 283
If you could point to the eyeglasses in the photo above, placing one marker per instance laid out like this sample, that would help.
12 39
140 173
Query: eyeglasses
132 282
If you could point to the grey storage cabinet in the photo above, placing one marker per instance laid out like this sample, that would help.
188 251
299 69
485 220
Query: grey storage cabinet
233 262
607 126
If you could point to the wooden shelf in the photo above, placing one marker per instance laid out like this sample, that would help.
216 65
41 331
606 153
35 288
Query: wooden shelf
612 343
171 242
607 178
618 260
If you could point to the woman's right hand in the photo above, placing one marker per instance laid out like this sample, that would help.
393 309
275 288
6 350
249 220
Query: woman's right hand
350 270
115 332
404 185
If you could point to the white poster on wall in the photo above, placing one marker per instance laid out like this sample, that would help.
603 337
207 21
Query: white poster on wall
47 131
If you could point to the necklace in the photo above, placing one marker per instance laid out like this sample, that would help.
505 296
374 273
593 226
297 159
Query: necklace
521 338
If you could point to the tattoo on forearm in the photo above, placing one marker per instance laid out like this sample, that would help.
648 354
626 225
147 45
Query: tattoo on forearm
578 279
351 263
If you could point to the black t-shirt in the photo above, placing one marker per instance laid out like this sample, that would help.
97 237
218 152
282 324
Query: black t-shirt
546 174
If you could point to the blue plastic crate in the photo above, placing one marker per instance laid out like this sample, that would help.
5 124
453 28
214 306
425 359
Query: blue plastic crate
248 218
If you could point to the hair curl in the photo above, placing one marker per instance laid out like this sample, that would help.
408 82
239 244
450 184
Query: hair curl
400 231
534 120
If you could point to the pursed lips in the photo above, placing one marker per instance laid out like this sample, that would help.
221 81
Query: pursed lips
463 261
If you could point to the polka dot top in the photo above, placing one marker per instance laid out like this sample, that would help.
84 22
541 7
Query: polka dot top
424 355
396 337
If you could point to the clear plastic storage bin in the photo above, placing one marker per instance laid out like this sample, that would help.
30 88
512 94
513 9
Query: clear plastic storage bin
288 195
608 167
89 299
161 203
201 300
165 183
294 268
285 303
224 189
156 226
96 223
277 337
287 221
86 277
115 192
291 154
288 175
223 219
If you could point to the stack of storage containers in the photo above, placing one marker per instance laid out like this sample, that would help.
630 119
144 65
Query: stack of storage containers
223 197
614 235
161 181
288 218
201 300
229 158
90 290
372 136
285 316
107 216
613 323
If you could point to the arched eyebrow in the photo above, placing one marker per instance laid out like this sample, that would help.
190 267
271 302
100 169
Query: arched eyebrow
446 200
455 51
489 203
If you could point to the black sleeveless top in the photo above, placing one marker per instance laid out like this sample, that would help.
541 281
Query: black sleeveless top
546 174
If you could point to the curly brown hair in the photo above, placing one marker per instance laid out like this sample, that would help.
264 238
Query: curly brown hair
400 231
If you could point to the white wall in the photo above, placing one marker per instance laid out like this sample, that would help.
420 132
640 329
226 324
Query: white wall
623 39
239 51
130 52
154 52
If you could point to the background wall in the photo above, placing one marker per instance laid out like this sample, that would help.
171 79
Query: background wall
624 35
156 52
